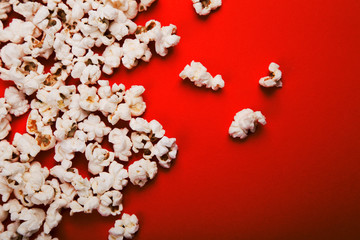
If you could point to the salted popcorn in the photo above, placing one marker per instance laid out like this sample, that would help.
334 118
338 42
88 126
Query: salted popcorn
244 121
125 227
204 7
94 128
121 143
142 170
198 74
274 80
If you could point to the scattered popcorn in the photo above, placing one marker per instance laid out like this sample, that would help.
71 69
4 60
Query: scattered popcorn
126 227
204 7
140 171
198 74
274 80
244 121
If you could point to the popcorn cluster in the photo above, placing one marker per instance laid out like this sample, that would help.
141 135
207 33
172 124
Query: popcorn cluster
244 121
66 117
204 7
274 80
198 74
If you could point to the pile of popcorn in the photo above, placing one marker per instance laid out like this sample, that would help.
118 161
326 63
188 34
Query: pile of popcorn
72 118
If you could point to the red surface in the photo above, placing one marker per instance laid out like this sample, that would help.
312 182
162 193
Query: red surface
295 178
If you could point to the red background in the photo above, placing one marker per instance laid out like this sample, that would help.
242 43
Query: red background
295 178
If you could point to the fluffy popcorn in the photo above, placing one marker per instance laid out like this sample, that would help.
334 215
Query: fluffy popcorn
87 68
126 227
153 129
66 149
274 80
13 173
89 100
75 111
121 143
142 170
122 26
164 37
44 236
204 7
32 221
165 151
94 128
110 98
112 58
63 174
10 232
5 8
244 121
98 158
198 74
65 128
5 190
110 203
16 31
26 9
3 216
8 152
102 183
16 99
53 216
133 50
122 112
5 126
145 4
119 175
27 146
133 98
11 55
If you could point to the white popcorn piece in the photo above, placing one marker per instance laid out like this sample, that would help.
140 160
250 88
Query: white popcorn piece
87 68
75 207
4 108
65 128
133 98
66 149
133 50
165 151
102 183
5 126
110 98
10 232
27 146
274 80
45 138
139 141
244 121
44 236
204 7
125 227
53 216
75 111
8 152
33 219
198 74
89 100
3 217
122 26
12 174
152 129
110 203
121 143
26 9
5 189
11 55
5 8
63 174
94 128
112 58
145 4
164 37
119 174
14 208
98 158
142 170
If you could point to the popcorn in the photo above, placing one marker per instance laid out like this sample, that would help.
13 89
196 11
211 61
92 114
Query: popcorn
274 80
5 8
27 146
45 138
18 104
102 183
122 143
65 128
164 37
65 149
10 232
122 26
119 175
5 126
145 4
98 158
244 121
87 68
89 100
75 112
198 74
112 58
14 208
142 170
26 9
16 31
135 101
153 129
94 127
165 151
11 55
133 50
126 227
53 216
204 7
3 216
110 98
12 173
33 219
110 203
8 152
44 236
5 190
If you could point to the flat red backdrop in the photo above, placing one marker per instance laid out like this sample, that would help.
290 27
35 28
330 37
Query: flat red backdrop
295 178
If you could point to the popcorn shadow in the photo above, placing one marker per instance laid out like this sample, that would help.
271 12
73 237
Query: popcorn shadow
269 91
188 84
205 17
